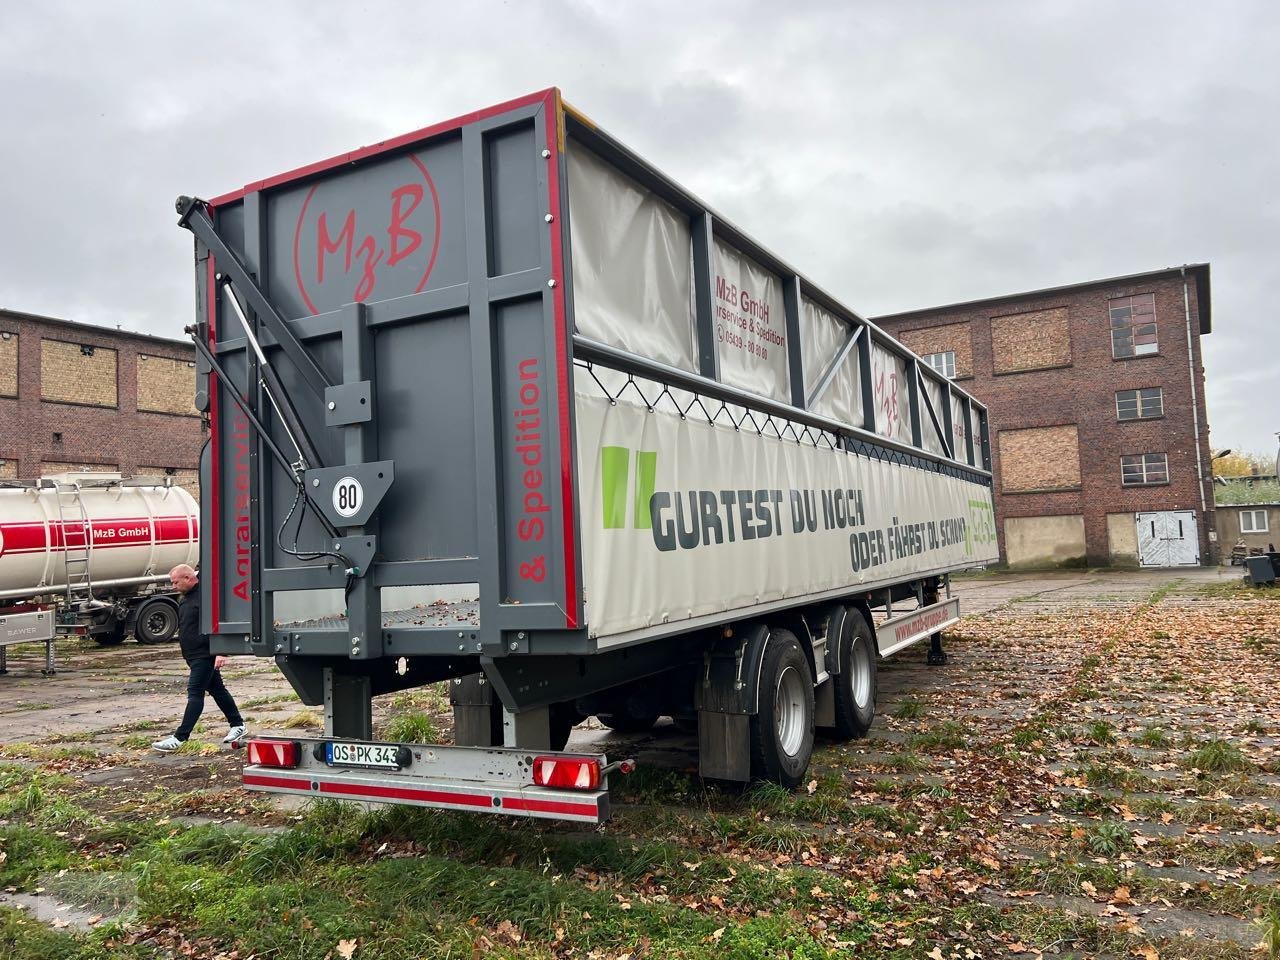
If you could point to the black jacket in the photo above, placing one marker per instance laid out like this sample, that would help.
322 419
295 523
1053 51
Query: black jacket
194 643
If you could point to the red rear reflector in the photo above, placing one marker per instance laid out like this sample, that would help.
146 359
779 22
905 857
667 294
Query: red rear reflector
566 773
274 753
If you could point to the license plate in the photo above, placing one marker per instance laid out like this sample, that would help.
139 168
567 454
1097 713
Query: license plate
379 756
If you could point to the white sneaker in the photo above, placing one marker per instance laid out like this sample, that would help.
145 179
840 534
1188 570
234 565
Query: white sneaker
234 734
168 744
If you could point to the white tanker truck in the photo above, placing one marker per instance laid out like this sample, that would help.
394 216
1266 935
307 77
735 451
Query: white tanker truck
88 554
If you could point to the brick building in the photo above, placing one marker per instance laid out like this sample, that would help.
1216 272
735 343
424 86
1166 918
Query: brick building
74 396
1100 443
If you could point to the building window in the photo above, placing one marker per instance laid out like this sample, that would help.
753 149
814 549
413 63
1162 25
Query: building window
1139 404
1133 325
944 363
1254 521
1144 468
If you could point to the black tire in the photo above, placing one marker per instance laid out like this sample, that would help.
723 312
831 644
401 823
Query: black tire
157 621
855 690
782 729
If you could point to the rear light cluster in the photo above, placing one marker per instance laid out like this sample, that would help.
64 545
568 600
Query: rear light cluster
567 773
274 753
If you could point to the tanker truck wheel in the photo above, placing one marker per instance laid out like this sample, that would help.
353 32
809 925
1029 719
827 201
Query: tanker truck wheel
782 729
855 690
157 621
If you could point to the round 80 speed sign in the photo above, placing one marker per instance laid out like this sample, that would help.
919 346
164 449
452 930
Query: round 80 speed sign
348 497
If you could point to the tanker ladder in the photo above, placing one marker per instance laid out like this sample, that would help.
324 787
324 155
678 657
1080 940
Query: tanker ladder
77 542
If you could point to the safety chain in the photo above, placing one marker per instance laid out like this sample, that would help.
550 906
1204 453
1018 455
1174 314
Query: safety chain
738 417
655 396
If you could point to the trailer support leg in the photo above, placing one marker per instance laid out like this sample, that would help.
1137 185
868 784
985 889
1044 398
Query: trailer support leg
528 729
4 659
48 659
348 706
937 656
473 712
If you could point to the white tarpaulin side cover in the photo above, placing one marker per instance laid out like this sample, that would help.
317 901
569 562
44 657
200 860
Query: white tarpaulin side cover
751 325
930 434
889 387
960 431
632 264
682 518
822 336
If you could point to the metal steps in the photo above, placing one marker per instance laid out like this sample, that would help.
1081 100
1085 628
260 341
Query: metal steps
77 543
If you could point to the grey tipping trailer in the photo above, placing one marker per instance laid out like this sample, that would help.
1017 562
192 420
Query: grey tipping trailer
499 403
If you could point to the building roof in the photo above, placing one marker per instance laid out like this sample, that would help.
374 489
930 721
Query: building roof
1262 493
94 328
1199 272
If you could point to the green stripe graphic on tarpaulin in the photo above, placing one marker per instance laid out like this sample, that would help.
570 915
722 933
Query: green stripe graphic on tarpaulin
646 475
614 462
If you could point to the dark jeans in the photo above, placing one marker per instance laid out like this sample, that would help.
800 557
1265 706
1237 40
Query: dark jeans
204 678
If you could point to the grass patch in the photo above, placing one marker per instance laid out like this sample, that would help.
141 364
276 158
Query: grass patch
198 748
651 785
1218 756
301 720
25 938
1089 804
266 701
1152 806
909 709
1110 838
908 761
1112 777
1269 930
1102 733
948 735
411 728
1153 738
1237 589
40 752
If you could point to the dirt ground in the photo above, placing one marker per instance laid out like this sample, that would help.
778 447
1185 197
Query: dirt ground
1095 772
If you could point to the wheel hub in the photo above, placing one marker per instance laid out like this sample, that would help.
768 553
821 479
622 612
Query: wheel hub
789 706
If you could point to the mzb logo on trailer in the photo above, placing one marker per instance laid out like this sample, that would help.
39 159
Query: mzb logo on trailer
347 248
690 519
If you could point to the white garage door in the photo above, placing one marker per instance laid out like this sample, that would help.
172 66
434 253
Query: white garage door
1168 538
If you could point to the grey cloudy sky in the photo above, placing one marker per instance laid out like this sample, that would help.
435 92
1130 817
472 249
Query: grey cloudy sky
900 154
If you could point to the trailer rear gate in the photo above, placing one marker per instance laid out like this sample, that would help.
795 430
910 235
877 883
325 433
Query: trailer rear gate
554 414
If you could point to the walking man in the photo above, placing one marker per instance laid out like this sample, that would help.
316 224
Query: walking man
205 676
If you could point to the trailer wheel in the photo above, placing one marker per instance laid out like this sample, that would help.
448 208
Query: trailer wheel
156 622
782 729
855 690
